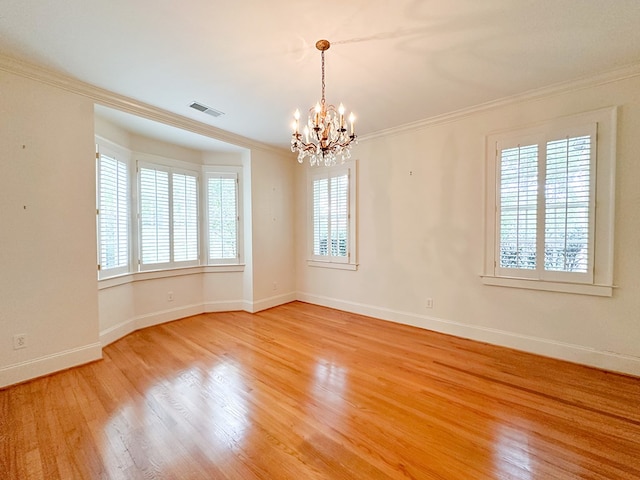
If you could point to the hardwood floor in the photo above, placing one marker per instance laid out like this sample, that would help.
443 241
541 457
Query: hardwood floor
304 392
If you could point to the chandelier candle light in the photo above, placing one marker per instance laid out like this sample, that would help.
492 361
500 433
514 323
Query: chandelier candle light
324 137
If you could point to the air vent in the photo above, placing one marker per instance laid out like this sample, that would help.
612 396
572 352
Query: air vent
204 109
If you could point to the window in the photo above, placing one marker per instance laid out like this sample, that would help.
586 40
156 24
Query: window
185 217
151 217
223 219
544 185
113 215
168 217
332 219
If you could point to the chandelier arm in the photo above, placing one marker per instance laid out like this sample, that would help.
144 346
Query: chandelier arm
305 146
335 143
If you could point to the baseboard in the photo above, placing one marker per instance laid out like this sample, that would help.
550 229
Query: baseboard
229 306
270 302
164 316
123 329
117 332
48 364
549 348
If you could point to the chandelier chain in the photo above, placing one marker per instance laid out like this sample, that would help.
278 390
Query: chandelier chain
322 99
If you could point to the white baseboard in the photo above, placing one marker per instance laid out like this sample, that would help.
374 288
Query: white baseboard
549 348
228 306
123 329
164 316
117 332
48 364
270 302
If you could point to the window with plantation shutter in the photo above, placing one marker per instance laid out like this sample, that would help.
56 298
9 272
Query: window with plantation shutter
223 221
332 221
185 217
569 205
168 217
154 215
546 227
155 233
518 206
112 175
321 216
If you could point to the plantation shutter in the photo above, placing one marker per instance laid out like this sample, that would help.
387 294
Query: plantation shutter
330 196
113 213
567 204
339 201
546 203
222 204
155 229
321 216
518 207
185 217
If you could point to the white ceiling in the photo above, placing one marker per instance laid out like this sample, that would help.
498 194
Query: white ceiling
392 62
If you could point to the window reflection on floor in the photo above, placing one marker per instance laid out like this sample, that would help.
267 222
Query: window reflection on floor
328 389
229 410
512 454
197 411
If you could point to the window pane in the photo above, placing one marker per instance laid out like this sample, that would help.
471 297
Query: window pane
567 200
321 216
331 216
518 207
185 217
154 216
113 221
339 195
222 197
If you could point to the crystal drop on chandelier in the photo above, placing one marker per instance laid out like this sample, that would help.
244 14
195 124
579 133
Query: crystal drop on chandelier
324 139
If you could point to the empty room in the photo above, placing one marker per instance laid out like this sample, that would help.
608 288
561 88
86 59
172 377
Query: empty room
320 240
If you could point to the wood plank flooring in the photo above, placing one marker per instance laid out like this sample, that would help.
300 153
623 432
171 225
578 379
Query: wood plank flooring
304 392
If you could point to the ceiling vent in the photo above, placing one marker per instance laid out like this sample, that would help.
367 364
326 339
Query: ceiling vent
204 109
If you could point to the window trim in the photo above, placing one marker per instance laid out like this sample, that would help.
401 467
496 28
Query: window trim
113 150
342 263
604 184
209 171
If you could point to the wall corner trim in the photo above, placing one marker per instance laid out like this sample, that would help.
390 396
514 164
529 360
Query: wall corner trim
270 302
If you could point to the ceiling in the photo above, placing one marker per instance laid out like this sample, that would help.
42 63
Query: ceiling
392 62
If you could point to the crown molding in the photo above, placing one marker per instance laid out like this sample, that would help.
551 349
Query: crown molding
562 88
130 105
126 104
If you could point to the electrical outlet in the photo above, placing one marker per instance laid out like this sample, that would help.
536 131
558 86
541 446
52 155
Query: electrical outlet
169 296
275 286
20 341
429 302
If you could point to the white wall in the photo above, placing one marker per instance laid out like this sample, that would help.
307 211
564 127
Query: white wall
155 147
420 229
272 205
48 257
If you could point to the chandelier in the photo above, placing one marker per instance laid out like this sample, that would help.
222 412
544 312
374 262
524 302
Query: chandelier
324 138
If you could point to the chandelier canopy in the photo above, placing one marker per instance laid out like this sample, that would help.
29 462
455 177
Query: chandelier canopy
324 138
